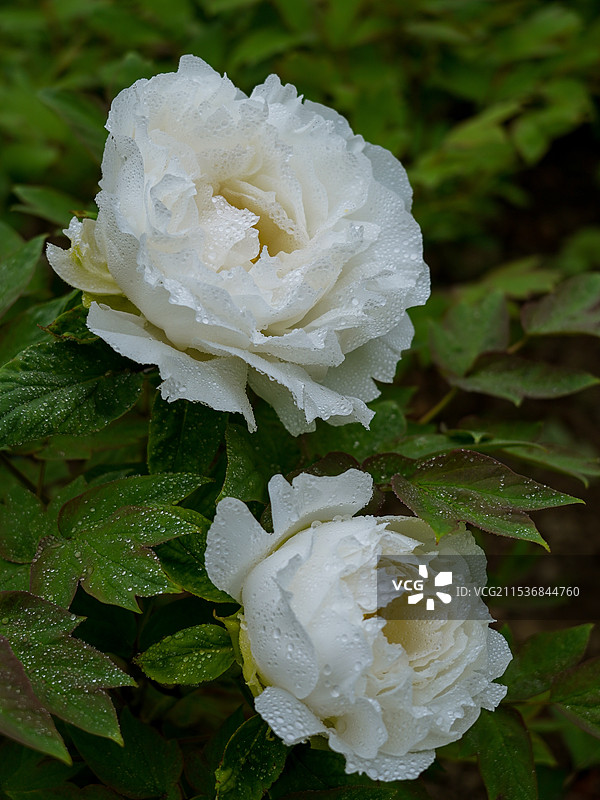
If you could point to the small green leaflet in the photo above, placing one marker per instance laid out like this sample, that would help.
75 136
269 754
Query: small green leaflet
466 486
16 271
10 240
514 379
387 427
183 436
22 716
22 525
323 774
252 458
505 755
26 329
71 325
190 656
83 116
252 761
577 694
358 793
147 766
47 203
61 387
541 658
182 559
60 675
574 307
567 460
104 540
97 503
469 330
25 773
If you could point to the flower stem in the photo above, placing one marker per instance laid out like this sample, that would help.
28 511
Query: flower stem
518 345
433 412
18 474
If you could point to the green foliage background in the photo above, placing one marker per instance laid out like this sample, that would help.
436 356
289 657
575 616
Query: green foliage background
493 109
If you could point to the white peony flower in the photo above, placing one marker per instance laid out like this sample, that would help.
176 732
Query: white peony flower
384 693
257 240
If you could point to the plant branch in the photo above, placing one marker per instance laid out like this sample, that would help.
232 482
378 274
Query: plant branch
433 412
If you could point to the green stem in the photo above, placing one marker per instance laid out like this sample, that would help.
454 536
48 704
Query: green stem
433 412
514 348
40 485
23 479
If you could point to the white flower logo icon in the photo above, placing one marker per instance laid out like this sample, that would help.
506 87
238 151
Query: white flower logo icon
441 579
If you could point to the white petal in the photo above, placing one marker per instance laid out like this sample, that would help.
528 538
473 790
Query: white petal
290 389
83 265
289 718
283 651
235 543
391 768
217 382
310 498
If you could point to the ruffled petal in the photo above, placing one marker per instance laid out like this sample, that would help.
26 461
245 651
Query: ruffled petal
310 498
217 382
235 544
289 718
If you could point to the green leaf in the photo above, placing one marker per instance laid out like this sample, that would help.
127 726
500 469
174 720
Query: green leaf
46 203
17 270
71 325
262 43
67 677
147 766
505 755
96 504
60 387
469 330
125 432
22 716
253 457
24 772
252 761
309 769
465 486
577 694
518 279
22 524
111 559
387 427
542 754
182 559
14 577
558 459
26 329
190 656
574 307
10 241
514 379
184 436
83 116
541 658
351 793
69 791
583 747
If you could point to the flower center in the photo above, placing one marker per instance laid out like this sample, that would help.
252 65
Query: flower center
277 229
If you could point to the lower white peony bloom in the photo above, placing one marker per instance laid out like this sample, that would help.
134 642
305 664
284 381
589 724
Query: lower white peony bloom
249 240
385 694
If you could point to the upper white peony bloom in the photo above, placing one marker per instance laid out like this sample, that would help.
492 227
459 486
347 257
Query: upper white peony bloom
384 693
257 240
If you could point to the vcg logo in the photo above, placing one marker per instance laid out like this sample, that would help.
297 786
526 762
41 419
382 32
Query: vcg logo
416 587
